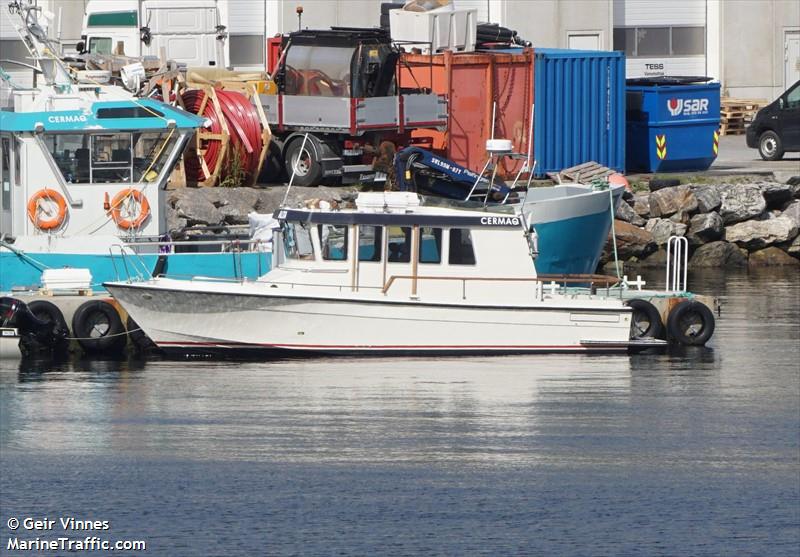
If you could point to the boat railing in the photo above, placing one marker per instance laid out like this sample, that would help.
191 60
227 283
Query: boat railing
677 264
135 269
553 283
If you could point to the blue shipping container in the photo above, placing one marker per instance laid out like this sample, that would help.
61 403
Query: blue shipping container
579 112
672 127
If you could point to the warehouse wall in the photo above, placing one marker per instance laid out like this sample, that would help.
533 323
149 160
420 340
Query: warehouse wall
752 46
556 24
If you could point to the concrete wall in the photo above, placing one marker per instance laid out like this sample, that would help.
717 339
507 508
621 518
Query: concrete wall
549 23
752 46
321 14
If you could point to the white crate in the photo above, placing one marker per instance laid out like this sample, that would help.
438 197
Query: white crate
444 29
66 279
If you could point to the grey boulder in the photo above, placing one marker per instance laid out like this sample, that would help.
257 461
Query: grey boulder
758 234
704 228
718 254
741 202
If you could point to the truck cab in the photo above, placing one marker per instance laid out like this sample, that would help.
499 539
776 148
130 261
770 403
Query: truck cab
190 31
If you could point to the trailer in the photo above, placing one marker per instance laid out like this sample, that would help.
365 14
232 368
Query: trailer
340 111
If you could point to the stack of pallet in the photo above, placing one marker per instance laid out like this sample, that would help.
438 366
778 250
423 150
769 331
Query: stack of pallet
736 114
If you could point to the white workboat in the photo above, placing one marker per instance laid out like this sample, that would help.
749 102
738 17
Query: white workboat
388 276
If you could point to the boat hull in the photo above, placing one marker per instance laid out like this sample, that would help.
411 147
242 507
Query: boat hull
572 228
196 321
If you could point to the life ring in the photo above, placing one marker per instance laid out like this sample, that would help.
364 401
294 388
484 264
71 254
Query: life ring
645 320
98 328
116 209
690 323
34 204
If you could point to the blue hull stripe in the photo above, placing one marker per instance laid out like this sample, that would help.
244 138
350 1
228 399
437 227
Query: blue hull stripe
16 271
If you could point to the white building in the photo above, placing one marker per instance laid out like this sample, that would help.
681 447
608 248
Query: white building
751 46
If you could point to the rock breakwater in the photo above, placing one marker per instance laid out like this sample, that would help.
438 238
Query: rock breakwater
726 224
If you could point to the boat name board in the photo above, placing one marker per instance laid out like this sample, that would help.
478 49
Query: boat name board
399 219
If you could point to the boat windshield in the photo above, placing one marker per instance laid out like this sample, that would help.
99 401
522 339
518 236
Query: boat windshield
102 158
297 240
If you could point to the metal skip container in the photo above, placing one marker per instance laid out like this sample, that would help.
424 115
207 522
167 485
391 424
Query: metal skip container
579 113
479 86
672 125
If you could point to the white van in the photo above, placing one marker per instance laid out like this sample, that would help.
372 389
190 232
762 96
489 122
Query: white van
191 31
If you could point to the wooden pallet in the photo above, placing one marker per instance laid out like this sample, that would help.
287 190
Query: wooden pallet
582 173
736 114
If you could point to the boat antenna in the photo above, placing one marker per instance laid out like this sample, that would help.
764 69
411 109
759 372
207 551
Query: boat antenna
530 150
294 169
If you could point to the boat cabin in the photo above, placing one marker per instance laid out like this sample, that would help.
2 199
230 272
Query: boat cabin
71 166
394 245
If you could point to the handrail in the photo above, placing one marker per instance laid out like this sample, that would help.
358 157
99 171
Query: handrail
571 279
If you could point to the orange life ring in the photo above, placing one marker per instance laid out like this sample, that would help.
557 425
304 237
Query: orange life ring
116 213
34 204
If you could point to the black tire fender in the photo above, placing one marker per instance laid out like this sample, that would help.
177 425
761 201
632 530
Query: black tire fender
684 320
48 311
650 315
89 330
138 337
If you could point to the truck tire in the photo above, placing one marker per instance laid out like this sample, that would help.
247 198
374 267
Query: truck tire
273 172
769 146
308 169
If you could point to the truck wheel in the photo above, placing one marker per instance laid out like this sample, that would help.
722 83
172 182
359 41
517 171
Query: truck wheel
305 165
273 172
769 146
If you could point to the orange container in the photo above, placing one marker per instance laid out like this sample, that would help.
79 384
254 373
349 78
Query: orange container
472 83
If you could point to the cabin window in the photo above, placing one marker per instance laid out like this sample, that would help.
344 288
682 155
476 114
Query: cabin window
333 241
71 154
461 250
106 158
370 243
111 158
151 151
399 244
297 241
430 245
129 112
100 45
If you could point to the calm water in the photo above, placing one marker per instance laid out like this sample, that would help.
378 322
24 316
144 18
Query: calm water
694 452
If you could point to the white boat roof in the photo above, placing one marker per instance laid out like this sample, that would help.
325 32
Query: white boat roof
403 209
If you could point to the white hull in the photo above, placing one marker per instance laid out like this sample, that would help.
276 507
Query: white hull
197 321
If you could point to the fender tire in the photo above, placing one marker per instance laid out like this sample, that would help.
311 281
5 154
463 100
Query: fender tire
312 174
684 320
769 146
48 311
647 315
97 326
138 337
